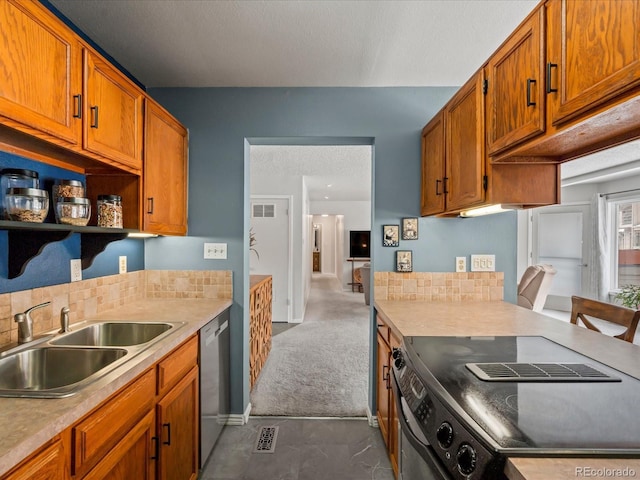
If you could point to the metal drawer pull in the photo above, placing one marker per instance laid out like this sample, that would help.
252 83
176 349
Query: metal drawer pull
549 67
444 183
150 205
78 99
94 124
529 102
168 425
154 439
438 181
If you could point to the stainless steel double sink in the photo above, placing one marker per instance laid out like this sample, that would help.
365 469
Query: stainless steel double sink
59 365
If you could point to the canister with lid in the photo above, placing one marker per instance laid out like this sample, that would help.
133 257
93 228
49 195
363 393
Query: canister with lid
15 178
109 211
68 189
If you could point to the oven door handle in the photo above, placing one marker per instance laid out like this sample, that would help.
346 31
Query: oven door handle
424 450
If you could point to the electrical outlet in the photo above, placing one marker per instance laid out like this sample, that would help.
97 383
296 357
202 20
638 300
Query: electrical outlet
215 250
122 263
483 263
461 264
76 270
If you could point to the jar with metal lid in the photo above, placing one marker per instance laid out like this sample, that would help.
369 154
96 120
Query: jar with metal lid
15 178
109 211
73 211
68 189
27 204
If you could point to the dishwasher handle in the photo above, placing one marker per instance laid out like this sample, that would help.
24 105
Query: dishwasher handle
213 337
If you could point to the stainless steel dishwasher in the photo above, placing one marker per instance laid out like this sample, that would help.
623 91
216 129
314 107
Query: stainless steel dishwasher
214 382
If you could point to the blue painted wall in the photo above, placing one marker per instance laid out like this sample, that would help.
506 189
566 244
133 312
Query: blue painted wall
52 267
221 122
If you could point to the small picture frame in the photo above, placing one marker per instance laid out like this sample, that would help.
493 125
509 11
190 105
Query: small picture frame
410 228
390 235
404 261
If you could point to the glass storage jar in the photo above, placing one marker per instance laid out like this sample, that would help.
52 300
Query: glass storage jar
15 178
109 211
67 189
27 204
73 211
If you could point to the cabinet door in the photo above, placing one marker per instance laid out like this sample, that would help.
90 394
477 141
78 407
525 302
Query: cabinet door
465 153
48 463
41 72
515 94
113 117
433 172
383 392
165 173
178 430
133 457
593 53
394 450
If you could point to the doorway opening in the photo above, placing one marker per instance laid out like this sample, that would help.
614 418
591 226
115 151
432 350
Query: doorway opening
318 193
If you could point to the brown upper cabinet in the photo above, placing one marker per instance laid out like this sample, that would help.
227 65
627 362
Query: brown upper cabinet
165 172
591 77
40 92
456 172
515 86
112 125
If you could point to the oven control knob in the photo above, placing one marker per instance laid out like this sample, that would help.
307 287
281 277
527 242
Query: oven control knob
399 363
444 434
396 353
466 458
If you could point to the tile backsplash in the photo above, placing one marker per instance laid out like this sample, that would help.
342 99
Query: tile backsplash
447 287
91 297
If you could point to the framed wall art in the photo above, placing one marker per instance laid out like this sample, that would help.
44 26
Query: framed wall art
404 261
390 235
410 228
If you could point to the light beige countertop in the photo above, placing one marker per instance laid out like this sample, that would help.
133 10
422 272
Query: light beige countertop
27 423
407 318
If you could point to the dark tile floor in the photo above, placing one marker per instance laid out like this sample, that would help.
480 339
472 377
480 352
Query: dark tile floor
279 327
306 449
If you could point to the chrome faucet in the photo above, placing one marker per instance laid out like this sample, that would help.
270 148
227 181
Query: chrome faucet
25 323
64 320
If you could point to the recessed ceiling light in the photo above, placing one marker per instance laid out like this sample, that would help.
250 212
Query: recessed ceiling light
325 215
329 185
326 198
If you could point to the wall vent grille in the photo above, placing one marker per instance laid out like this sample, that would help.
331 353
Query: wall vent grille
263 210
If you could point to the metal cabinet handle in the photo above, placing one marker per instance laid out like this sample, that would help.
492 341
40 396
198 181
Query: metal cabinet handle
94 123
438 182
444 183
150 205
529 102
549 67
78 112
154 439
168 426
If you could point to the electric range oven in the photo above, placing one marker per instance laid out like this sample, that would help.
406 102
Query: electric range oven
465 404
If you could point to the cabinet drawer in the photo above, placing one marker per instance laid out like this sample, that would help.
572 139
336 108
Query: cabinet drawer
177 364
49 462
94 436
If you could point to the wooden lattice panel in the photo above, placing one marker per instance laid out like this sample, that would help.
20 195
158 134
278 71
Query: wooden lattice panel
260 319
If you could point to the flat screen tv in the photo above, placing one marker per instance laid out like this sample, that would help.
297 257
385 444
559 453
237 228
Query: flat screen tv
359 243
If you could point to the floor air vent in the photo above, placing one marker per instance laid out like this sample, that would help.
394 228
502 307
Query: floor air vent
539 372
266 441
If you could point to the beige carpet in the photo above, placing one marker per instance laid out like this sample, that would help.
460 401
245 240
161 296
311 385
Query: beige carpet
320 367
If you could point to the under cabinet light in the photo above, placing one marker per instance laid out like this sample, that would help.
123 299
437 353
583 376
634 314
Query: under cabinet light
142 235
486 210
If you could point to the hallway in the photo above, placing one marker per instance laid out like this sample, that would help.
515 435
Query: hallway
320 367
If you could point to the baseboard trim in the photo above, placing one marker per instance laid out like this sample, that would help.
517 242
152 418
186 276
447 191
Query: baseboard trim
373 420
296 320
239 419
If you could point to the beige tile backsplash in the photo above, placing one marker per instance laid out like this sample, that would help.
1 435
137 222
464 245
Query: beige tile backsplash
447 287
90 297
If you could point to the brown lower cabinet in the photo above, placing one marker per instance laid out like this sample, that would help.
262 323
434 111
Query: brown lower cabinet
385 401
147 430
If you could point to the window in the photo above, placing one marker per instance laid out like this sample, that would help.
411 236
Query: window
627 249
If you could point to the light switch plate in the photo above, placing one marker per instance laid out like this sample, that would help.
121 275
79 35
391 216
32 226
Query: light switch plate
461 264
483 263
215 250
76 270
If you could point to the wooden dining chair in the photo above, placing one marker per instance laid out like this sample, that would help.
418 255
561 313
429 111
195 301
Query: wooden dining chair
582 309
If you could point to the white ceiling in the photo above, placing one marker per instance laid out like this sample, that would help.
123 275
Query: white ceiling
322 43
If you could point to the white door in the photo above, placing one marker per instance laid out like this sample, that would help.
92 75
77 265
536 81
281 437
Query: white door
271 229
561 237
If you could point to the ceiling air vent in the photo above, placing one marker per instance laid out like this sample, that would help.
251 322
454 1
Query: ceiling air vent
263 210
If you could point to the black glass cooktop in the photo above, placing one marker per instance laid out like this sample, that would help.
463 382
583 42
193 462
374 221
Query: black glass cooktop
554 415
